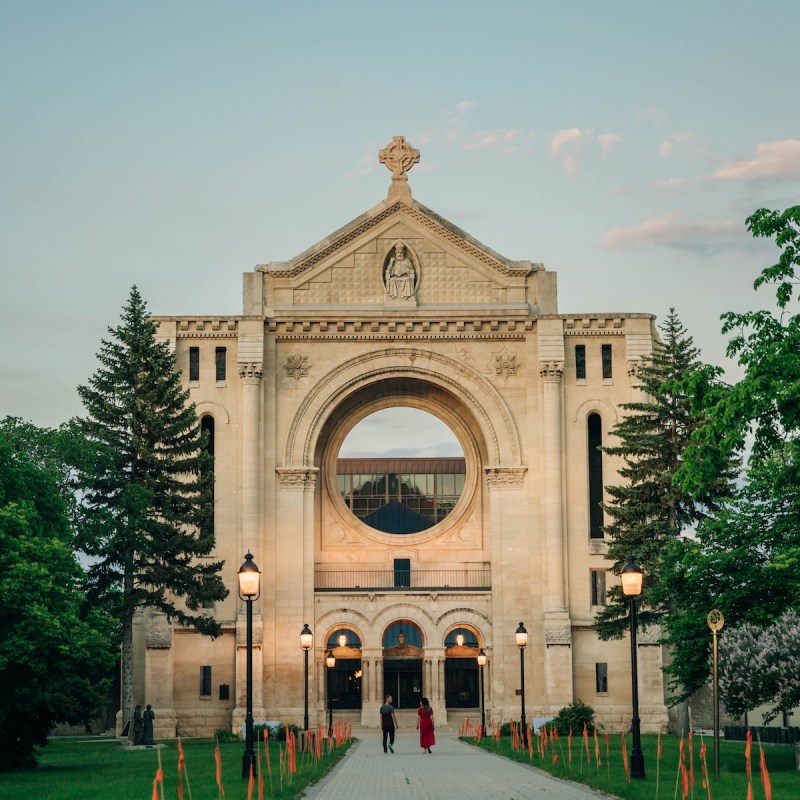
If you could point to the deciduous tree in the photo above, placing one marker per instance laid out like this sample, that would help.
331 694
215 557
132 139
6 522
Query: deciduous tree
56 649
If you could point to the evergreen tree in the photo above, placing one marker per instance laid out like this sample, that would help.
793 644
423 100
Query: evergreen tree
650 509
147 495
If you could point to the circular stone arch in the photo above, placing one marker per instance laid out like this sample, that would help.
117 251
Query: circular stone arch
449 389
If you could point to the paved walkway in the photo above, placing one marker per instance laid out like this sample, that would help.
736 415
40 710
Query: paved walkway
454 770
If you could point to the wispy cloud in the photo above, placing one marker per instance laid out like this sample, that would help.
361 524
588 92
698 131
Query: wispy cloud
465 106
496 138
665 148
560 138
607 142
772 160
778 161
669 231
568 136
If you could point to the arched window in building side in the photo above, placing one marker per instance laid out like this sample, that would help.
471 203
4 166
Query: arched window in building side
207 426
595 461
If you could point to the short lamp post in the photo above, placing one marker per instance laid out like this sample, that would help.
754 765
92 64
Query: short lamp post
330 662
522 640
249 590
306 643
482 664
631 575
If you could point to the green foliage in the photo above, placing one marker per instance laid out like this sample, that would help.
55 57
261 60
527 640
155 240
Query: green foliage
573 717
56 649
147 490
224 735
746 557
649 510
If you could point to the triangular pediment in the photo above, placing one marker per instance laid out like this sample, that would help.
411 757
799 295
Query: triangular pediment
355 265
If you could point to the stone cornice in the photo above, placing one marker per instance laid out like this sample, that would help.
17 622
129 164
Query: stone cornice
456 328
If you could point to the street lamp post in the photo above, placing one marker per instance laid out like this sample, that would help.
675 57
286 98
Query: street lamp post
482 664
330 661
306 642
631 575
249 590
522 640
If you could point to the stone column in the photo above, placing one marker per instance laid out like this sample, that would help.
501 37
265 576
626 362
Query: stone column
557 626
250 376
250 373
514 584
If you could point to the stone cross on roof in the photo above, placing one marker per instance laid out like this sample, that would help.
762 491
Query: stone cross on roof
399 156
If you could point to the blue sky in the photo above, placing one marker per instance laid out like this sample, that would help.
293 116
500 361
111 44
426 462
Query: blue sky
175 145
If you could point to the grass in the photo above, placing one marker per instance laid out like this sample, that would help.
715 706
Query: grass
610 776
85 769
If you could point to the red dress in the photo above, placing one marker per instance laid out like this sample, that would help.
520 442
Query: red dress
426 737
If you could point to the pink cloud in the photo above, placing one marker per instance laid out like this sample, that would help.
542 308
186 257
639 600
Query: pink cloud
490 139
607 142
772 160
560 138
669 231
665 148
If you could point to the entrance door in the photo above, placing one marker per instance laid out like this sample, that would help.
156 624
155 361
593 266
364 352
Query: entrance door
402 679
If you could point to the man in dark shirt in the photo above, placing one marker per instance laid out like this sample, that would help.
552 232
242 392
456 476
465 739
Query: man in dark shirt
388 723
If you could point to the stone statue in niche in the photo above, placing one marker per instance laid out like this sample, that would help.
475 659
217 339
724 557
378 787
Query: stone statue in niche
400 274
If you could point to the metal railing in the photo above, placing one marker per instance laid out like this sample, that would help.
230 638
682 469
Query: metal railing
402 580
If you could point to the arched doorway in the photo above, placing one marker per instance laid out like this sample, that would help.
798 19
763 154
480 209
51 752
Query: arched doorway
461 668
344 677
402 663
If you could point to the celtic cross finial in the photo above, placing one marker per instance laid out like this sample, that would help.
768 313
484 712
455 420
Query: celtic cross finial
399 156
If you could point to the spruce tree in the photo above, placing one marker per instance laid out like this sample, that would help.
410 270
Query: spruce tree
650 509
148 492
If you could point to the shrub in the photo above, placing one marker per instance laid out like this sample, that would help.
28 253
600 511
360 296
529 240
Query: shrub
223 735
574 716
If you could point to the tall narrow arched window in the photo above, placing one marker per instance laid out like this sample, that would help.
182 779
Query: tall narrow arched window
207 426
595 461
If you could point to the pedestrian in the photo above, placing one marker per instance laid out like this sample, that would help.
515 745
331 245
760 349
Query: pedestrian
427 739
138 725
388 724
148 718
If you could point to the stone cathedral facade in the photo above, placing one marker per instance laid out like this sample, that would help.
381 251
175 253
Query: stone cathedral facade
402 308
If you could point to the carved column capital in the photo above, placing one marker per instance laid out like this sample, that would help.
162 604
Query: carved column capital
505 477
297 478
558 635
250 372
551 371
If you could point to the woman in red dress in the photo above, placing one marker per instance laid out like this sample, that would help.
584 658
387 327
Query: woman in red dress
425 725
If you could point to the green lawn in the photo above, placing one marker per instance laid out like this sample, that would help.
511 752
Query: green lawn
610 776
85 769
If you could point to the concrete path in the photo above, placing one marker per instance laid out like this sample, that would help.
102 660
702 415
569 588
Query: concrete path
454 770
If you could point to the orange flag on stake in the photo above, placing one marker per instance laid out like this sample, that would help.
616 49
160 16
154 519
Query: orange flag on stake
765 774
218 760
597 749
747 749
159 778
181 767
250 784
625 759
569 746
